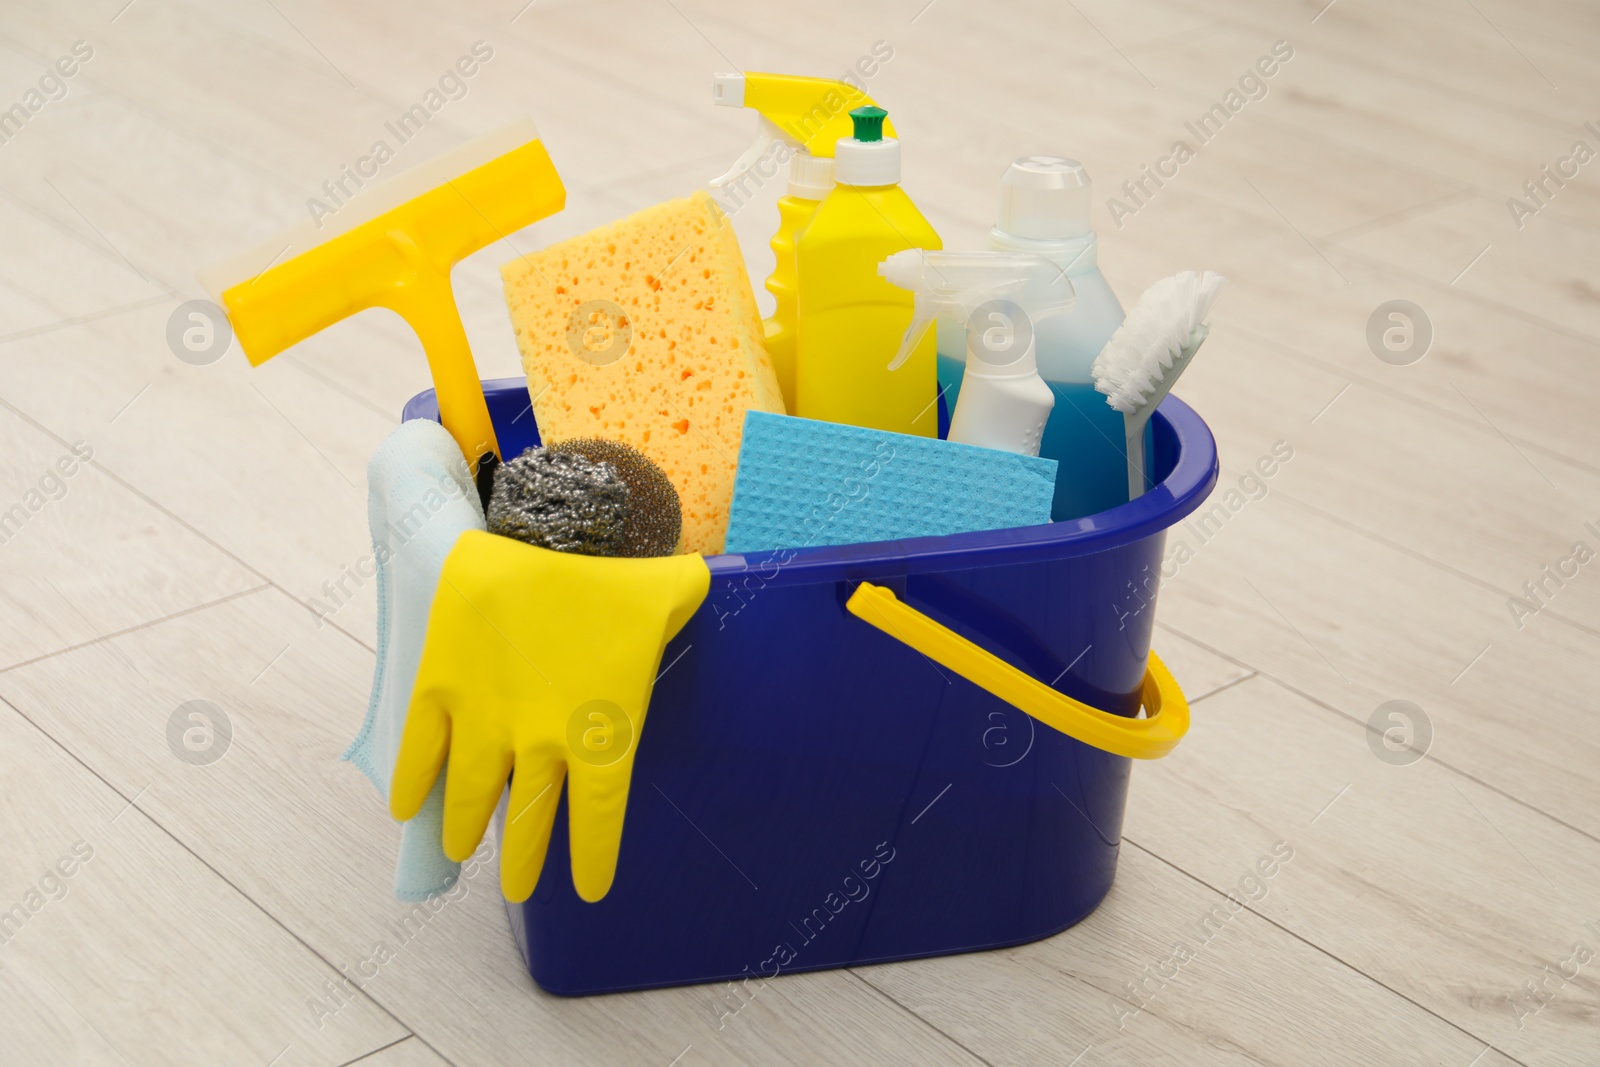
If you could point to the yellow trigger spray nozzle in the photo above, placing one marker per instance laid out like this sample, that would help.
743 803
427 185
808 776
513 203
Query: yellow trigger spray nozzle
804 113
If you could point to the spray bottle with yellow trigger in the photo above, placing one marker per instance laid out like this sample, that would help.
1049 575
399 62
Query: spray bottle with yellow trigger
801 119
999 297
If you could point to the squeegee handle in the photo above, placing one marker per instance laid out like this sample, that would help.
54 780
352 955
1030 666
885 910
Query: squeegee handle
426 301
371 267
401 259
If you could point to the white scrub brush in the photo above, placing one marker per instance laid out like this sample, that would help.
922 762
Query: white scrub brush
1138 366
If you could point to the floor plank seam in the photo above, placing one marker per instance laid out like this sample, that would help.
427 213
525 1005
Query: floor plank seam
79 320
383 1048
1392 392
892 999
261 908
1484 302
1362 150
1452 768
1235 660
1556 126
1362 63
304 367
323 620
1440 565
164 121
1405 214
103 638
1488 196
110 255
141 494
1503 309
311 65
220 99
1223 688
1323 951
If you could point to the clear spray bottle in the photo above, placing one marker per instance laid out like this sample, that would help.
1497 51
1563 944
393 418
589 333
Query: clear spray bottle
998 297
1044 210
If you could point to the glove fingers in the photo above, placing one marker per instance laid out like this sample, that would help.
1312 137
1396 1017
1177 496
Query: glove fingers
478 772
535 792
423 744
597 799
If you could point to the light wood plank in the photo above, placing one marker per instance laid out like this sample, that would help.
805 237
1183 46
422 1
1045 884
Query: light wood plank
1248 991
268 463
1471 137
142 953
1501 57
1545 266
1367 458
112 175
1532 379
63 278
82 557
1445 891
1355 624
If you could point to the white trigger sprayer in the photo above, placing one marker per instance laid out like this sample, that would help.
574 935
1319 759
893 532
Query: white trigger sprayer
999 296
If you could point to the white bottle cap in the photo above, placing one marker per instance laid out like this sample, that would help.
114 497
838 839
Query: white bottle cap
866 162
1044 198
810 177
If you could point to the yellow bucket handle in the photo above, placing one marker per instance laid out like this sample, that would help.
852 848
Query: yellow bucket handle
1148 738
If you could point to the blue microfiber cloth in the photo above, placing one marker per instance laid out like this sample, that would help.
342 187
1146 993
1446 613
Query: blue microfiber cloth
420 499
802 483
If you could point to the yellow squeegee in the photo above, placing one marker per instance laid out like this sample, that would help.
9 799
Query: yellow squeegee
393 246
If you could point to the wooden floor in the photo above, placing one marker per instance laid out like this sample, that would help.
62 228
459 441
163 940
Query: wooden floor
1440 910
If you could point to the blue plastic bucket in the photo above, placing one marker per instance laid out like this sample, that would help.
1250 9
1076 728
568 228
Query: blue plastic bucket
809 792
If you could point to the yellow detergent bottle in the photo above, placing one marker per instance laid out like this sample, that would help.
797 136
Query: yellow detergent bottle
850 319
801 120
810 179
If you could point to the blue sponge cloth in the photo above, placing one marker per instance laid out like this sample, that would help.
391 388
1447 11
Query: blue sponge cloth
803 483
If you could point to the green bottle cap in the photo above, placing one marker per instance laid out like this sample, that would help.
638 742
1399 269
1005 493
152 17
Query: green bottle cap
868 122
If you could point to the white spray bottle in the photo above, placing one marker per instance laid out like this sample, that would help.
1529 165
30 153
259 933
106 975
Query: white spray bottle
999 297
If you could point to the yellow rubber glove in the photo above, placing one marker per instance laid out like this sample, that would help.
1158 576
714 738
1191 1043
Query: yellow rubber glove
541 662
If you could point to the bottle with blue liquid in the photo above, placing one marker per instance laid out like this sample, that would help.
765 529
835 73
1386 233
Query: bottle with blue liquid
1044 210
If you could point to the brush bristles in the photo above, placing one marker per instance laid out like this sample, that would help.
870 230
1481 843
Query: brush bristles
1136 365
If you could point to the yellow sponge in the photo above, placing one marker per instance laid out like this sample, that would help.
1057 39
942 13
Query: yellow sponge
646 331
